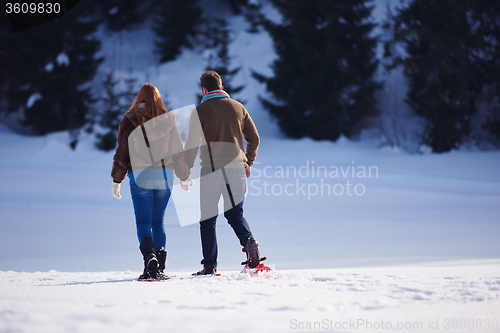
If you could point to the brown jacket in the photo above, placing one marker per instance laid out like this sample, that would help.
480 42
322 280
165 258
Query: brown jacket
223 122
121 161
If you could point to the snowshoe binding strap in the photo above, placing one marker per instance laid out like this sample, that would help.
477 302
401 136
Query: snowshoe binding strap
252 251
152 265
206 271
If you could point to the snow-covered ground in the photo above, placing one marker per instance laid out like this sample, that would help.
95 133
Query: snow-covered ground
57 211
417 243
441 297
357 233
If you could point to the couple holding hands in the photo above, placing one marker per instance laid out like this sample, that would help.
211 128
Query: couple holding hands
150 151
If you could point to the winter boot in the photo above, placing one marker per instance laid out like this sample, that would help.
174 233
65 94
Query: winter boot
161 255
207 270
150 260
252 251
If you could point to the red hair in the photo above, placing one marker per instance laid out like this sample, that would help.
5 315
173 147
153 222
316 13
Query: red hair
153 104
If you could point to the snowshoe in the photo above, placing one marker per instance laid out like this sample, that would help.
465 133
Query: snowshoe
144 276
260 270
162 277
147 277
207 271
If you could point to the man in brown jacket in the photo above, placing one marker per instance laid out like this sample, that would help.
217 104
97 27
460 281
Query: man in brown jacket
219 124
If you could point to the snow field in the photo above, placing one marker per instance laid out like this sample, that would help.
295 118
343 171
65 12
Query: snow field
418 248
340 300
57 211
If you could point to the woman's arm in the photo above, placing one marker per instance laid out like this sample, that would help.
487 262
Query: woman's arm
181 167
121 160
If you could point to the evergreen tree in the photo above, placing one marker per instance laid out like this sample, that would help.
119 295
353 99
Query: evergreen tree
175 23
253 15
110 119
488 13
493 125
451 57
237 6
10 75
54 61
118 15
122 14
323 82
217 40
492 121
19 55
251 10
128 96
115 103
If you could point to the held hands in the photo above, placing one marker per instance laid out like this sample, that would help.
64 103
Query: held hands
115 190
248 171
186 184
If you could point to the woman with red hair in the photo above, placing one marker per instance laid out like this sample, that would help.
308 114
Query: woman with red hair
149 130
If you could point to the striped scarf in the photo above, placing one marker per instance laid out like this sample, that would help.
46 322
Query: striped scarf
214 94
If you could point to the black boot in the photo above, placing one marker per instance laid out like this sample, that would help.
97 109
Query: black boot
253 255
150 261
207 270
161 255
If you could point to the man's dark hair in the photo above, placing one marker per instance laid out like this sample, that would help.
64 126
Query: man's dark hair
211 80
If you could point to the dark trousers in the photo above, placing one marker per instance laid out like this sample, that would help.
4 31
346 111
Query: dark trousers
212 186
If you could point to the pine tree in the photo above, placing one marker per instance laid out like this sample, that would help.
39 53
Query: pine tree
237 6
114 103
488 13
323 82
122 14
175 23
19 55
128 96
492 121
217 39
251 10
56 61
110 119
253 15
450 60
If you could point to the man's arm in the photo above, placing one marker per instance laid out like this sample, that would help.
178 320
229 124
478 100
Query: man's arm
253 140
181 167
193 138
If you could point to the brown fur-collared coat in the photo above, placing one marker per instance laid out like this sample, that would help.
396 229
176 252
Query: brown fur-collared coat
170 138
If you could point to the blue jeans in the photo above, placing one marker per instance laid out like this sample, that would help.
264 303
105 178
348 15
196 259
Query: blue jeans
149 209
